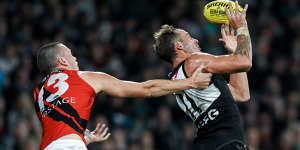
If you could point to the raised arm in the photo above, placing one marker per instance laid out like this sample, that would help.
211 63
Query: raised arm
151 88
239 61
238 83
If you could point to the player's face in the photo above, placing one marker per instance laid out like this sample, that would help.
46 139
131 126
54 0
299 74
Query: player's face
190 44
72 61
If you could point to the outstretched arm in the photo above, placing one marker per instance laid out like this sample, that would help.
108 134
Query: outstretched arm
152 88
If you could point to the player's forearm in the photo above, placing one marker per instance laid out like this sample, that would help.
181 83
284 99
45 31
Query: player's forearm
239 87
244 46
156 88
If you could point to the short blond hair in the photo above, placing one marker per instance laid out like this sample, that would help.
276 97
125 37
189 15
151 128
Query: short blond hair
164 42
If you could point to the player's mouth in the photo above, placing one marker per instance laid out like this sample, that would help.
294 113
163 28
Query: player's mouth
198 47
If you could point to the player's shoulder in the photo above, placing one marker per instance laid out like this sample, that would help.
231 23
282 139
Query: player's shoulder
90 73
198 57
196 60
93 76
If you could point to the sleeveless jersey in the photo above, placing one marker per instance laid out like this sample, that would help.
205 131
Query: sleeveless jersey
212 110
63 103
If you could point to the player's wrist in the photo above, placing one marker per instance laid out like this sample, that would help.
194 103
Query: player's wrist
190 83
242 30
87 136
87 139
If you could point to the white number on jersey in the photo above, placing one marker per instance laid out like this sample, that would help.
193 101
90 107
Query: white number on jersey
61 85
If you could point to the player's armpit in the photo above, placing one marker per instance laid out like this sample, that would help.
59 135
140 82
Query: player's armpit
218 64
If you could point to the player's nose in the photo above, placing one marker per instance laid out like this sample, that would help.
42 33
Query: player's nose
196 41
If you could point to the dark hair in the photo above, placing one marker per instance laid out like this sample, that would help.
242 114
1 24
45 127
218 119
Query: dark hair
164 42
46 57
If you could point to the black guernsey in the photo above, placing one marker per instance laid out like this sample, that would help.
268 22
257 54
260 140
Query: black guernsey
213 111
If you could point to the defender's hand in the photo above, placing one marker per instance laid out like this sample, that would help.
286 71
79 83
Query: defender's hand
236 19
98 135
201 80
228 38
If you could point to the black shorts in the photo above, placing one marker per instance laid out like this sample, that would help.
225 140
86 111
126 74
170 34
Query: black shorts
234 146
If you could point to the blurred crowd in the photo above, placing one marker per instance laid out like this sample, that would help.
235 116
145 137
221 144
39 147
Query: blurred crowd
115 37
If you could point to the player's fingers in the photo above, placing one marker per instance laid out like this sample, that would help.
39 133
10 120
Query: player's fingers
97 127
230 9
208 78
198 72
199 69
227 29
222 41
227 14
245 9
236 7
98 132
106 137
104 132
208 75
223 30
232 31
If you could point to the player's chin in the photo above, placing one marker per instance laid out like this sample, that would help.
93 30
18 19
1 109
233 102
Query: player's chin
198 48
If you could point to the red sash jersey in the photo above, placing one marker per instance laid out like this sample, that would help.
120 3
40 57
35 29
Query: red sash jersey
63 104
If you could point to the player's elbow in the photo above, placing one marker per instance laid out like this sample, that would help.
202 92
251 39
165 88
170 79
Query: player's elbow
245 64
248 65
242 97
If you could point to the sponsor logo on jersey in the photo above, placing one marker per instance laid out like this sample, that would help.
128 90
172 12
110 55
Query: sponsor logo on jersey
64 101
211 115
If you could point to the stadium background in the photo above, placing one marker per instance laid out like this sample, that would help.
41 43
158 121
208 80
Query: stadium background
115 36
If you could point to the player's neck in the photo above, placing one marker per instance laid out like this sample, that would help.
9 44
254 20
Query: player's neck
64 68
177 61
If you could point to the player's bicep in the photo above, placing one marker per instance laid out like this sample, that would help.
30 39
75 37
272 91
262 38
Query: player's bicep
110 85
228 64
219 64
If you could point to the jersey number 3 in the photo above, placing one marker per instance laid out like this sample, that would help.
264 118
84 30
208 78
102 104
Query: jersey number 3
61 85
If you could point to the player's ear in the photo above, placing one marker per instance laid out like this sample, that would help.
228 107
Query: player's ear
62 61
178 45
179 50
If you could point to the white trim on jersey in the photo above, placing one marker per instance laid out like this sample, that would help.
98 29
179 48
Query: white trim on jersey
202 99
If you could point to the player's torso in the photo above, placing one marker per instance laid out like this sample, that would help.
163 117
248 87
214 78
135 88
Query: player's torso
212 110
63 102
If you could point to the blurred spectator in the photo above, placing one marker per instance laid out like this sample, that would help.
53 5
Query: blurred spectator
115 37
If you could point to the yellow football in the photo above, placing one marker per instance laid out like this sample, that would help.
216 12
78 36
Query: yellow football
214 11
